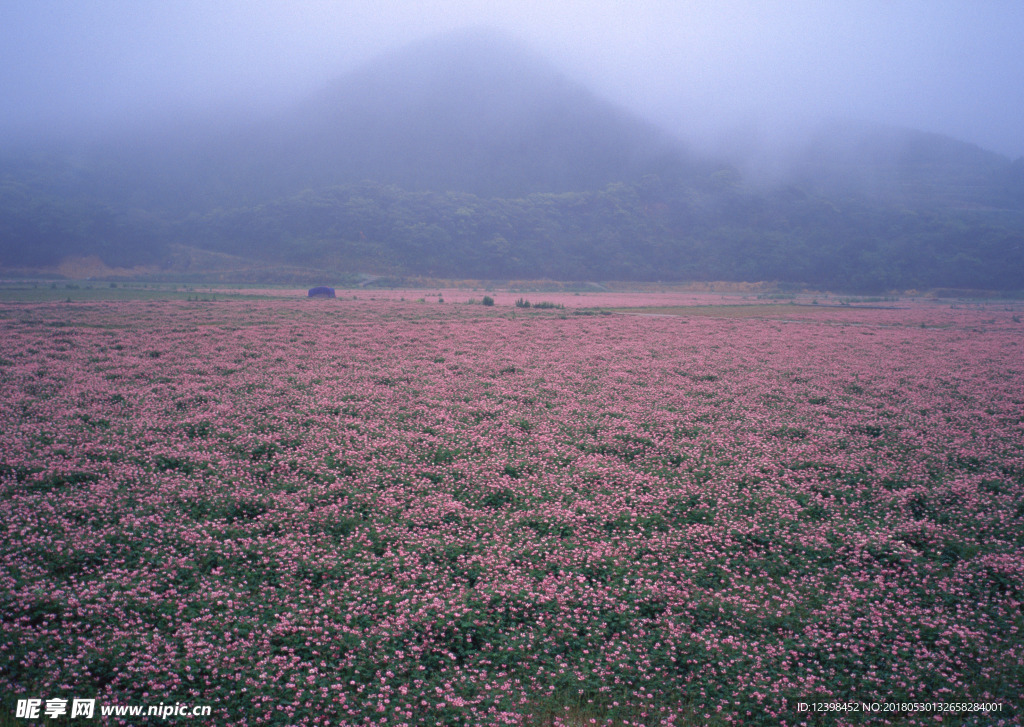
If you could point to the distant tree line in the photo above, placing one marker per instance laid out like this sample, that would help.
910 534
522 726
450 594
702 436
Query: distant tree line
652 229
643 231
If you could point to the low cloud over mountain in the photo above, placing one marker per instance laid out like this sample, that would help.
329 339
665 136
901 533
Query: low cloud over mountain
468 154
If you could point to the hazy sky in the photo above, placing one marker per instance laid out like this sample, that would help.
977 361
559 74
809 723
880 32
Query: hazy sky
710 70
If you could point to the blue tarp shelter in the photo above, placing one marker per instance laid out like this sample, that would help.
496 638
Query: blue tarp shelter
321 291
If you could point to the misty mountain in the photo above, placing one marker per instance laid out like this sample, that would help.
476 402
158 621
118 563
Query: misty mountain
468 156
905 166
474 112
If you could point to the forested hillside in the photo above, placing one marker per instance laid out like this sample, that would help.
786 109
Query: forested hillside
643 231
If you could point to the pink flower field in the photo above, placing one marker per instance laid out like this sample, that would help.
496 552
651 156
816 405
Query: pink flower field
383 512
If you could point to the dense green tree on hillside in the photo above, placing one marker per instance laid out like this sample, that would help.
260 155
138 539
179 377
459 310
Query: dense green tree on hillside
649 230
39 230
